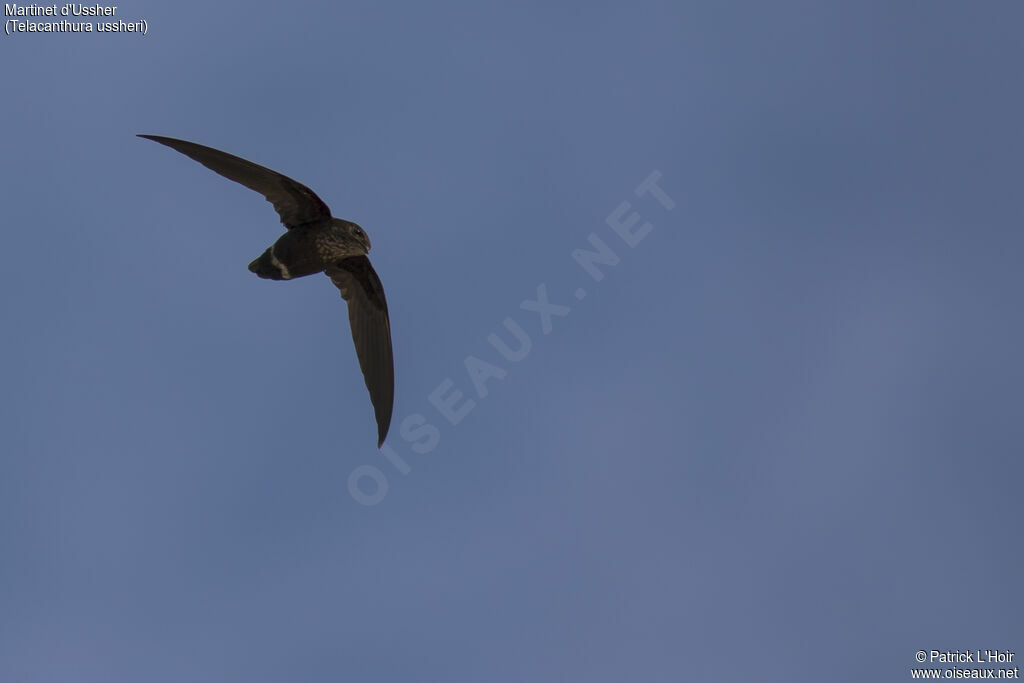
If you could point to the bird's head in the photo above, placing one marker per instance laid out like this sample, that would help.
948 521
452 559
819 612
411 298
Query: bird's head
358 235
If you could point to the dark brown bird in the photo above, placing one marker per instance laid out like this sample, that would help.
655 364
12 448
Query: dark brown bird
318 242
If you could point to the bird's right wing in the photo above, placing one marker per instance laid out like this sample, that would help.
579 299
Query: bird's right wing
293 201
371 331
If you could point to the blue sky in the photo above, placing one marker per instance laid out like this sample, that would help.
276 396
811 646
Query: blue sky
780 438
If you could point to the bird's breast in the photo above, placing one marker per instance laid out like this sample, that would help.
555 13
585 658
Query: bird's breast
333 244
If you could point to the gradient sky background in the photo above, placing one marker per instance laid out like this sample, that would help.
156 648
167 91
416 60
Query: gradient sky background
780 440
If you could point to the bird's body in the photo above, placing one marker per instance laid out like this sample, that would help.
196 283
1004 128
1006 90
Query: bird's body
306 250
317 242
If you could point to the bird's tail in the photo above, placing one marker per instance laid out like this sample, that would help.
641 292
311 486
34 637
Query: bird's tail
290 257
268 266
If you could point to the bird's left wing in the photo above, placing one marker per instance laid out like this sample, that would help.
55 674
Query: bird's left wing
294 202
371 331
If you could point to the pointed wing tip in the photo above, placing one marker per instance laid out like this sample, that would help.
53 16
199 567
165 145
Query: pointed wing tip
383 426
383 422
